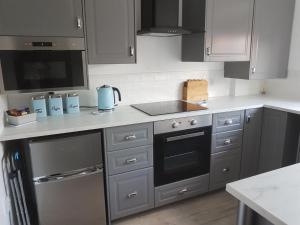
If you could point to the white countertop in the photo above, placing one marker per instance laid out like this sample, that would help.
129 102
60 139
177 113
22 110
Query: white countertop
126 115
274 195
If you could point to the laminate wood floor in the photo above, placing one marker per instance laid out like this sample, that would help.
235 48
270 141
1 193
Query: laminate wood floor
217 208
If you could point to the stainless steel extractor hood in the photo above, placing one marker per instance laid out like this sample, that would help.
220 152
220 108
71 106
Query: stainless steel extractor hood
161 18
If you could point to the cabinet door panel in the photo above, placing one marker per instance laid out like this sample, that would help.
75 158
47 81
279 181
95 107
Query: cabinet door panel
228 27
110 31
272 140
41 18
271 38
251 142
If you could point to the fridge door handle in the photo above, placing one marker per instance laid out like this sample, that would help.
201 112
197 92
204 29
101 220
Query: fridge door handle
69 175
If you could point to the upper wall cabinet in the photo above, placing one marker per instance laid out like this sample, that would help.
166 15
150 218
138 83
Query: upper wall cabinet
41 18
271 37
221 30
110 26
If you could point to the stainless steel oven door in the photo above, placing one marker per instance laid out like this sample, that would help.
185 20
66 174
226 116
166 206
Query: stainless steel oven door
181 155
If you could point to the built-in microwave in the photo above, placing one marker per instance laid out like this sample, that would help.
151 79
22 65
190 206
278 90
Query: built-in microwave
30 64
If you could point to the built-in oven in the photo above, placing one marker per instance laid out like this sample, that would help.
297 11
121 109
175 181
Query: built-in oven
181 149
29 64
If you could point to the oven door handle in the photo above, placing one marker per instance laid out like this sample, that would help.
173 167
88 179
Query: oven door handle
185 136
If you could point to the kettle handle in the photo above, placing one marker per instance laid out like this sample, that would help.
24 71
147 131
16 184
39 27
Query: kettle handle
119 94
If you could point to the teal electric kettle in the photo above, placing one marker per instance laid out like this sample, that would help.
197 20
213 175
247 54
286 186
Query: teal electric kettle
107 98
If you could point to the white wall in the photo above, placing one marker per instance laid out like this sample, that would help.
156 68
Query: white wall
158 75
290 87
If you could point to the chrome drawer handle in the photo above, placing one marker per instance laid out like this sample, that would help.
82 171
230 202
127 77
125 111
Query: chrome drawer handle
227 141
228 122
79 23
225 170
132 195
130 137
130 161
183 191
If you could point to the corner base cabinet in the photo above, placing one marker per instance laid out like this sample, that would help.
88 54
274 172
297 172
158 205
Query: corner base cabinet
110 28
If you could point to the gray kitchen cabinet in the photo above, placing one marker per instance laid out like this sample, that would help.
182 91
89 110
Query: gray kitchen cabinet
129 136
279 140
228 121
110 28
131 192
41 18
225 168
221 30
180 190
251 142
272 27
129 159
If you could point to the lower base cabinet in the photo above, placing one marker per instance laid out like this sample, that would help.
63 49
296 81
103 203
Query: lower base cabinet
181 190
225 168
131 192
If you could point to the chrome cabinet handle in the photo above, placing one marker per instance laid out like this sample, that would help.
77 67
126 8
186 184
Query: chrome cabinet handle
227 141
130 161
208 51
253 69
183 191
225 170
131 50
130 137
228 122
132 195
248 119
79 23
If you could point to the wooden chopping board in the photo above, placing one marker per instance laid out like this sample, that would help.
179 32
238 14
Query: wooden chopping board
195 90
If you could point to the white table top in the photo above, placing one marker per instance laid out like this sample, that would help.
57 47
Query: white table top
274 195
126 115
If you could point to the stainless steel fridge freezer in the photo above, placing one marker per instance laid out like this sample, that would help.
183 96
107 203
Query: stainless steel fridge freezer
68 180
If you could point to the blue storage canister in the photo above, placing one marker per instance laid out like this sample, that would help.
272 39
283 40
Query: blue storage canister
39 106
72 103
55 105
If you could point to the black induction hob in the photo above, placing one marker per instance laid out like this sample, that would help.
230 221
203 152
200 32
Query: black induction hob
167 107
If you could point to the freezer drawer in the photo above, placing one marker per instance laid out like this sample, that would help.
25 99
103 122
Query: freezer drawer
64 154
75 199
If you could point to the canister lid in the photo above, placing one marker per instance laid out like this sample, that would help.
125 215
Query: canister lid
38 97
72 94
55 96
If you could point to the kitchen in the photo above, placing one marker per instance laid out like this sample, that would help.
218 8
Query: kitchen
152 69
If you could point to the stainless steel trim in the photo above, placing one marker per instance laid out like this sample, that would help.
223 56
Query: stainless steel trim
84 87
166 126
70 175
185 136
25 43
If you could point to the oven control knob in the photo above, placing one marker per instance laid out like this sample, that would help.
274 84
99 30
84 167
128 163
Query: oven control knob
175 124
194 122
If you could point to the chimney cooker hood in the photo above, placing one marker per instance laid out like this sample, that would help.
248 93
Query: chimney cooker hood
161 18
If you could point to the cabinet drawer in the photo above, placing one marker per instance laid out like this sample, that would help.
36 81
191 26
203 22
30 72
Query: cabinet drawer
228 121
181 190
225 168
131 193
130 159
226 141
129 136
